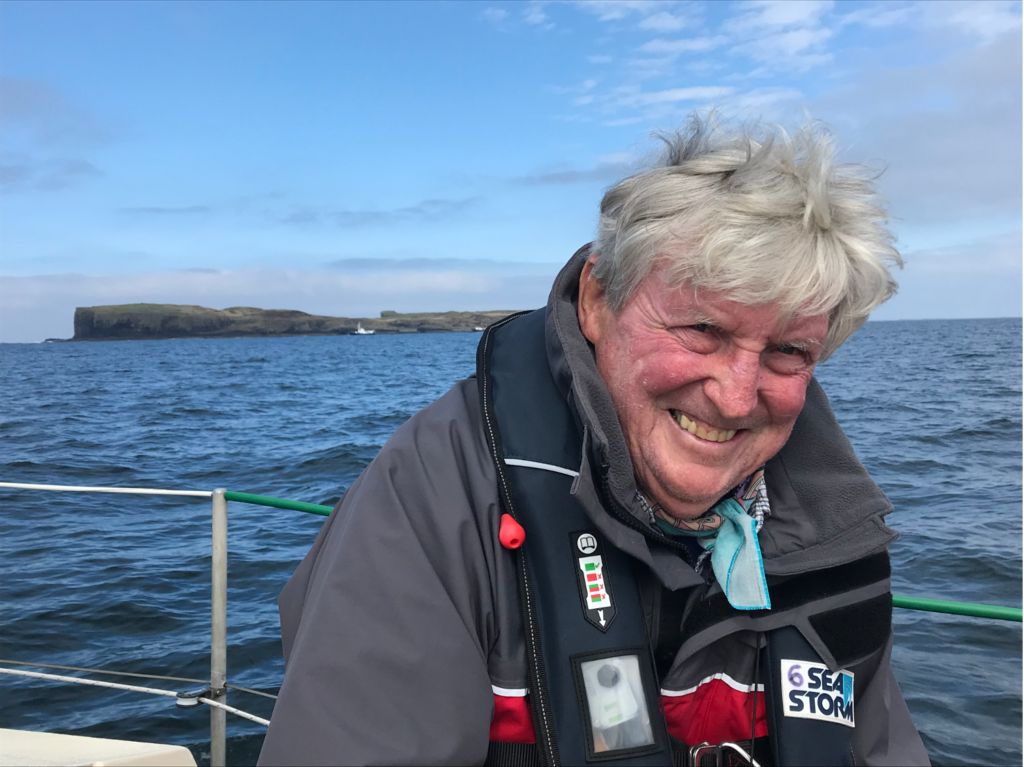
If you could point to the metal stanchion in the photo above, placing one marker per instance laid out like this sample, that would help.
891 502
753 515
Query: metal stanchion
219 628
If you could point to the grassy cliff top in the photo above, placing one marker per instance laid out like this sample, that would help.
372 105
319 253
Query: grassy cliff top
154 321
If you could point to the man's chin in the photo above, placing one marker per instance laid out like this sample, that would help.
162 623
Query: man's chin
688 500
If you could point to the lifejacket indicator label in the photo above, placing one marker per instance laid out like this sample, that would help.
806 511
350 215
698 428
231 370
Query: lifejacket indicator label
597 594
811 691
595 590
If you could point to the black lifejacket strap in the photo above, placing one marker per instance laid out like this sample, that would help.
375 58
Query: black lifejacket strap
512 755
545 750
526 418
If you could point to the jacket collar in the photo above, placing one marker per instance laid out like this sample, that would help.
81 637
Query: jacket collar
826 510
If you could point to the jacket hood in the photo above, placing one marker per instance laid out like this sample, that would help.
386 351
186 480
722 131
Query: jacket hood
826 510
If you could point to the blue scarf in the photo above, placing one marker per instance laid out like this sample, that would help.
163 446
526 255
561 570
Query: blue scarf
728 534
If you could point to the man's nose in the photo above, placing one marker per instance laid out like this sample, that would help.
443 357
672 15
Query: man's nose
733 388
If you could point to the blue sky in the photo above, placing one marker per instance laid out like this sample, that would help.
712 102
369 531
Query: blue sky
344 158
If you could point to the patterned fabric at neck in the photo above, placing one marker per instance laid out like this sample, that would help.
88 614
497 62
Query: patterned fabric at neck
751 493
728 533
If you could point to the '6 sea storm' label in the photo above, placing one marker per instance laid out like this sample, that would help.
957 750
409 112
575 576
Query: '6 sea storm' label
811 691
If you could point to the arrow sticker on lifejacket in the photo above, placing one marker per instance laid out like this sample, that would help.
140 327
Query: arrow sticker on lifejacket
595 590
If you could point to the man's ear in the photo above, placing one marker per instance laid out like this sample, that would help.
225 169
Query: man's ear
591 308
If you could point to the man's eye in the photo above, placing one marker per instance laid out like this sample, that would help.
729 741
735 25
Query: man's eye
702 327
789 350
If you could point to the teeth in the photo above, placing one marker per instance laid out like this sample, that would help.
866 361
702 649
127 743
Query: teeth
711 436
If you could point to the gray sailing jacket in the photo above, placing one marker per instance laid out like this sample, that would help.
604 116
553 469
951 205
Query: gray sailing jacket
401 628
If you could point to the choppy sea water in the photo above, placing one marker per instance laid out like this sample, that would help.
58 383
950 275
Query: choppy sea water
122 582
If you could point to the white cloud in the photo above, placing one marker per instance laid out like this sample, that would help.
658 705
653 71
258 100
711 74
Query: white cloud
425 211
760 15
634 98
878 16
703 66
160 287
620 159
949 133
763 100
663 22
776 35
977 278
1000 254
670 107
615 10
624 121
664 53
676 47
798 49
534 14
782 34
985 19
648 68
684 94
495 15
581 89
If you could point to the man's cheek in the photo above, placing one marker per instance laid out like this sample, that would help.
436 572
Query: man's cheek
662 377
787 400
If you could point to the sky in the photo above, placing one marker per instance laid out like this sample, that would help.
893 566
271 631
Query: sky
348 158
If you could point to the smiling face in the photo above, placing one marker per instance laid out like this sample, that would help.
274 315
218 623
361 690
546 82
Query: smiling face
706 389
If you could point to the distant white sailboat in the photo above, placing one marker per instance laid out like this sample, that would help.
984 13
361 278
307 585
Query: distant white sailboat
360 331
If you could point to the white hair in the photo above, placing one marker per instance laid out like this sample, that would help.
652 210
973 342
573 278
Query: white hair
764 220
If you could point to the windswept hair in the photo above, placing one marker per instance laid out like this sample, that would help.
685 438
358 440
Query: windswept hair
771 219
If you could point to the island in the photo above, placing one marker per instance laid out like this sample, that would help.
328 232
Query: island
124 322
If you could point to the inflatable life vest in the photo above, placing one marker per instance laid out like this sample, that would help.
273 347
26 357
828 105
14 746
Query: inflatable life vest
592 670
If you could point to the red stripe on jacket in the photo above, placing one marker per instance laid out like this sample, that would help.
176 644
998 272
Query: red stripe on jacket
714 712
512 722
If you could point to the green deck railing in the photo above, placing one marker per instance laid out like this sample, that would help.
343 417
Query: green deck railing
958 608
908 603
278 503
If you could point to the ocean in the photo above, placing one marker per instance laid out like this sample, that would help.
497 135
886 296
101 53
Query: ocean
122 582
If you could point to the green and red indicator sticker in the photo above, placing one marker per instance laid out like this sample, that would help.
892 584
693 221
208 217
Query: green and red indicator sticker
593 574
598 608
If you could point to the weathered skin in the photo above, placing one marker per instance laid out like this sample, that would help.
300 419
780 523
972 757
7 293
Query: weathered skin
724 365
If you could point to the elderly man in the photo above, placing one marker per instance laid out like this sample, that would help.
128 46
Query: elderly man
638 535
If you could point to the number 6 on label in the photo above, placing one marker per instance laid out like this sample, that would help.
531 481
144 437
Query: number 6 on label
795 677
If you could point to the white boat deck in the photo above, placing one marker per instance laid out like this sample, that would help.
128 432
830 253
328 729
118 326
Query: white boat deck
47 749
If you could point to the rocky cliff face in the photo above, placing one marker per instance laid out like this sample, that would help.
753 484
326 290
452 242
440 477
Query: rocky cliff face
154 321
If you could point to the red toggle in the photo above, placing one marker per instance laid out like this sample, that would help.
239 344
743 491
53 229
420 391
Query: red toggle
511 533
